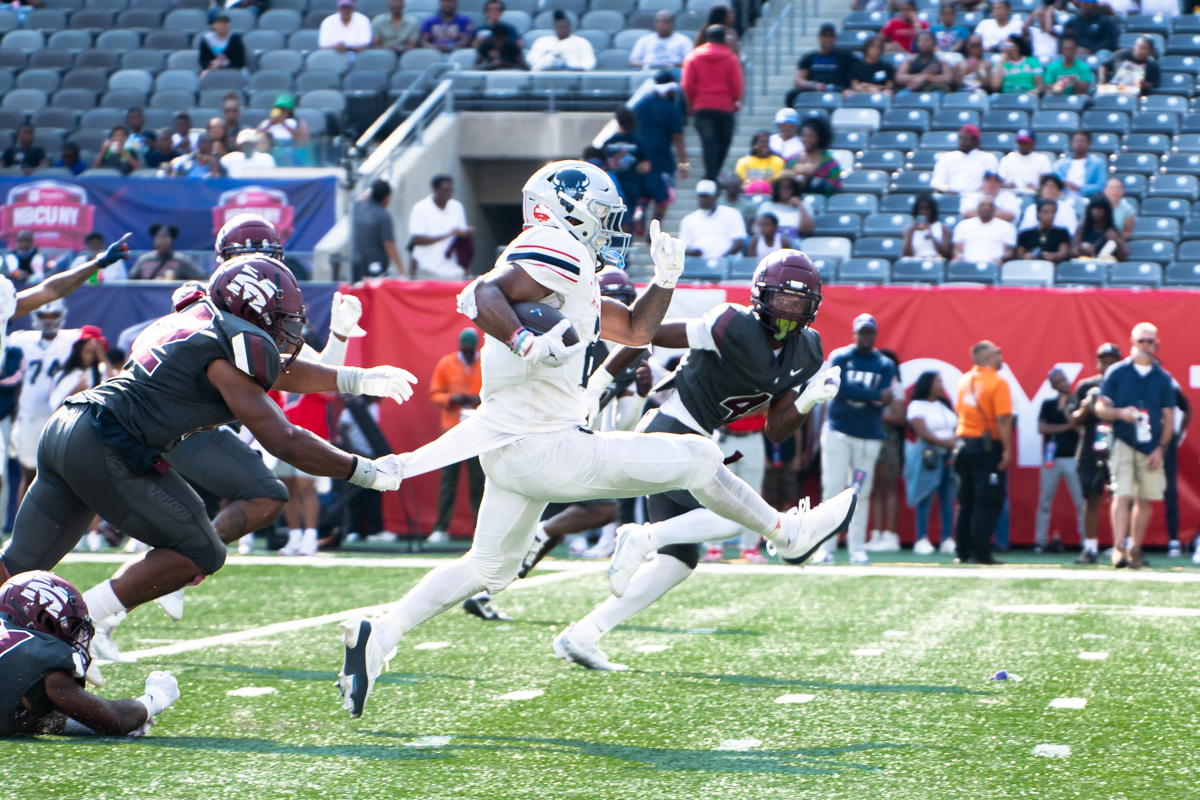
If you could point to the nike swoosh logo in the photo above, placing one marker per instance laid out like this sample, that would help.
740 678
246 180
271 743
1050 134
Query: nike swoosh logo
796 372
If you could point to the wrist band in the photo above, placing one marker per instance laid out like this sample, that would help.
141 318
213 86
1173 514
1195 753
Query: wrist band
353 467
521 341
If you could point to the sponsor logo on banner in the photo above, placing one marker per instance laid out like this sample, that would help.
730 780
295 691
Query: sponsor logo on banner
270 204
58 214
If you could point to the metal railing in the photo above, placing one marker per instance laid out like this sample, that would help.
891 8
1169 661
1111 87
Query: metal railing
440 100
784 22
423 80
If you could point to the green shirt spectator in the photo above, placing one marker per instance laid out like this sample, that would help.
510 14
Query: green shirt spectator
1068 75
1018 71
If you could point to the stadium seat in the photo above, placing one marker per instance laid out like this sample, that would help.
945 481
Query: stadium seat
91 19
333 61
1064 102
905 119
1141 163
866 181
166 40
101 119
612 59
313 79
168 79
951 119
845 226
286 60
928 101
939 140
922 160
1178 83
916 270
75 99
879 102
897 203
1162 122
45 79
1115 102
1106 122
886 160
1015 102
1147 143
1081 273
326 99
599 40
1006 141
260 41
280 19
886 224
1176 64
1191 229
25 99
308 40
1185 186
1148 23
829 248
852 41
139 19
742 267
912 182
545 20
1156 228
365 81
698 268
611 21
96 59
1135 185
1133 274
1157 251
893 140
972 272
73 41
887 247
864 21
26 41
977 101
227 79
847 203
826 100
815 203
856 119
1004 120
174 99
1182 274
864 270
1055 122
845 140
45 19
1166 207
375 60
420 59
50 117
1188 251
153 61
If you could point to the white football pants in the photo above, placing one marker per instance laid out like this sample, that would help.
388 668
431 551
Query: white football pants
568 466
841 455
751 468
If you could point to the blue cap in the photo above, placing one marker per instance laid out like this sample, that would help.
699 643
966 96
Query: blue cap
865 321
787 116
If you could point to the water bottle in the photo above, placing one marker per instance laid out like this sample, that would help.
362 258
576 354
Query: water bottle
993 479
1051 449
1143 426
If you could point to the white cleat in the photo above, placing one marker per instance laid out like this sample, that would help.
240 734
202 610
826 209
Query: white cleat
603 548
859 558
172 604
576 544
803 531
947 547
886 542
823 557
246 545
922 547
308 543
134 546
586 654
633 544
437 537
95 542
363 663
292 548
103 646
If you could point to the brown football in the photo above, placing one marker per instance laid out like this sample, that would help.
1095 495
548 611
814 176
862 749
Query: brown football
540 318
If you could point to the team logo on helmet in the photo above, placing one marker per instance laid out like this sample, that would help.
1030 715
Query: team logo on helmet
571 182
255 289
541 213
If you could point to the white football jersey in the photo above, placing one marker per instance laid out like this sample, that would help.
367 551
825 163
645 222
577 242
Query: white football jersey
42 362
522 397
8 307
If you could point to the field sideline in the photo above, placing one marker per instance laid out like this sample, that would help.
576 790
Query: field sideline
745 682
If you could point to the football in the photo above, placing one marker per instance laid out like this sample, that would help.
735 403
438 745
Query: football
539 318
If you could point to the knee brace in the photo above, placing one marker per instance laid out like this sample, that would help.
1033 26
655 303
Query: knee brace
704 458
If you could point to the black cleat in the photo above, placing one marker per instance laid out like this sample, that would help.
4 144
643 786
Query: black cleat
481 606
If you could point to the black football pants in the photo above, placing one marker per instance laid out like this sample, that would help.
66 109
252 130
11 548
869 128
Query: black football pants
981 490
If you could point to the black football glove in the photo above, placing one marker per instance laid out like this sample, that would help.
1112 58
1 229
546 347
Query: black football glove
116 251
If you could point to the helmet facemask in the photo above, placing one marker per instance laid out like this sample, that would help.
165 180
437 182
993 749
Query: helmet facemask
784 322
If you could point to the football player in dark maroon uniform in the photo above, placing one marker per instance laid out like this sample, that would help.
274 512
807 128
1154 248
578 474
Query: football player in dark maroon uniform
44 634
205 366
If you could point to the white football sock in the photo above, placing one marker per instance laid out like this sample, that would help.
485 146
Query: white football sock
749 541
294 537
102 601
651 582
439 590
310 535
731 497
1091 545
694 527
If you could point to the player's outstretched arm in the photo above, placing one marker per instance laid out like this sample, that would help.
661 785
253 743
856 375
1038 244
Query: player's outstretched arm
251 405
789 411
637 325
306 377
64 283
111 717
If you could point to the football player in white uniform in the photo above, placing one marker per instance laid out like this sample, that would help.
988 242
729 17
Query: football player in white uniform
530 431
44 349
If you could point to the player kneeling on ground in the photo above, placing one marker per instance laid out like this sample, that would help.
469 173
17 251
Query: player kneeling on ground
44 635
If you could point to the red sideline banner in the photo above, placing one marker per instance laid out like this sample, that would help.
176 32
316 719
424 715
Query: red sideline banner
413 324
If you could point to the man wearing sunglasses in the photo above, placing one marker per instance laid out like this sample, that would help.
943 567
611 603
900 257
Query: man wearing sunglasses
1139 398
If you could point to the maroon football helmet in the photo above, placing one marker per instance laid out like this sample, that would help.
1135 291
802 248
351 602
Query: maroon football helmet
263 292
245 234
186 294
615 283
44 602
786 277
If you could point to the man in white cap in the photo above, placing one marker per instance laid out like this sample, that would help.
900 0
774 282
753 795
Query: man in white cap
853 431
345 31
712 231
786 144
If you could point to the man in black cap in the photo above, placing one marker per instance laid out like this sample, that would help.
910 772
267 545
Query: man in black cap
660 126
1095 438
825 69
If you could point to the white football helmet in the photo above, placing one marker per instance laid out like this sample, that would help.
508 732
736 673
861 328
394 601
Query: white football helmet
580 198
50 317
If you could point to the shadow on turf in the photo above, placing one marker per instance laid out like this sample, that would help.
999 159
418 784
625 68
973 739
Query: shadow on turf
314 675
757 680
807 761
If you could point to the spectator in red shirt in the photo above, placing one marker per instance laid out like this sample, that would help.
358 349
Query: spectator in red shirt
900 32
713 84
303 510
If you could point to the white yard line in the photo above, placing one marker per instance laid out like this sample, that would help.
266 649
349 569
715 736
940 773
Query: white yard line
325 619
393 562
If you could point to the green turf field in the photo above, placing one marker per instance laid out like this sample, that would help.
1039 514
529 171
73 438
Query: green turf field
911 715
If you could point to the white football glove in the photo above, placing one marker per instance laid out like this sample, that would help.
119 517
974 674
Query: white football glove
667 253
161 691
382 474
390 382
548 349
823 386
601 379
343 319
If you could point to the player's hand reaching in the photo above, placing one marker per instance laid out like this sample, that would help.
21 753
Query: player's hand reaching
116 251
381 474
161 691
667 253
390 382
343 319
548 349
823 386
601 379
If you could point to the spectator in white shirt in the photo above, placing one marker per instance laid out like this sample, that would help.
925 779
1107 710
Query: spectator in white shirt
712 231
995 30
786 144
984 237
663 48
1022 169
434 225
1008 205
563 50
961 171
254 152
1050 189
927 237
345 31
